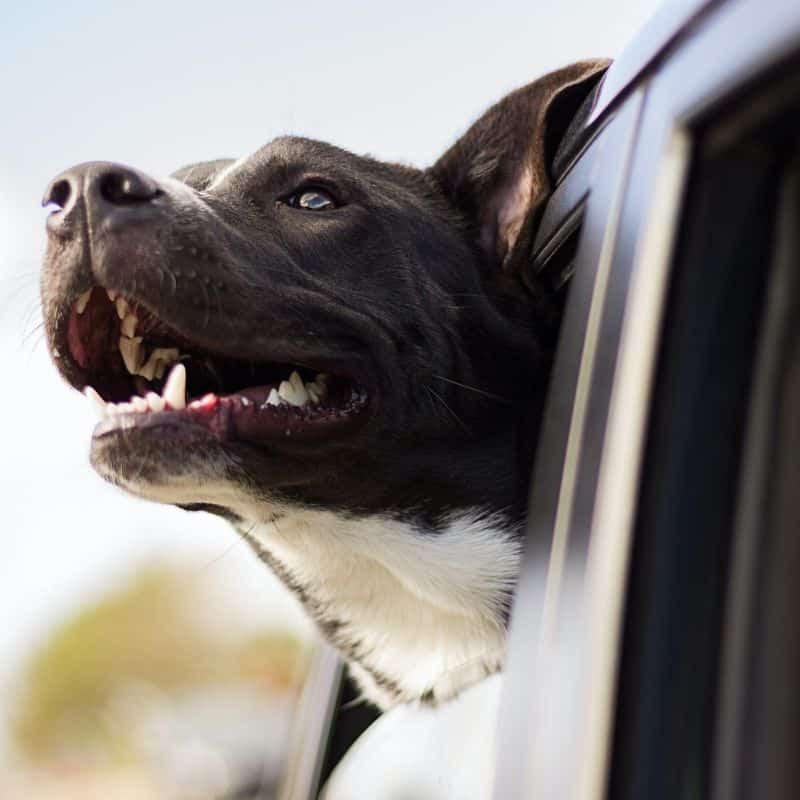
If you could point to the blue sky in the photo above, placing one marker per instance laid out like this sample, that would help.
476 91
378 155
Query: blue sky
158 85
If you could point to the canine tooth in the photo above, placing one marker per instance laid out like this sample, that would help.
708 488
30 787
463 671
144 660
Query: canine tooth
140 404
274 398
129 324
97 402
112 295
131 350
175 388
158 361
122 307
154 401
292 394
313 393
83 301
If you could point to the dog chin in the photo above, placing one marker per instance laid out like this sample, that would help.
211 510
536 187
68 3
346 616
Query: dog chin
199 472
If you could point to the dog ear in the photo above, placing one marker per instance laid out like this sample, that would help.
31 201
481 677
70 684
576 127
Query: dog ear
199 176
498 173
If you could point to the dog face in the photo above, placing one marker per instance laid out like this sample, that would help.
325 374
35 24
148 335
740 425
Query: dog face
308 331
300 258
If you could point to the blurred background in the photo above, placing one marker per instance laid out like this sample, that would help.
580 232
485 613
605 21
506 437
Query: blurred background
144 652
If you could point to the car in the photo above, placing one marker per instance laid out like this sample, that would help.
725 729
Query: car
653 649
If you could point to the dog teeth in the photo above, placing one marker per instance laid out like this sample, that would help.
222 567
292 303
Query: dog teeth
129 324
122 307
316 391
112 295
136 405
155 402
175 388
286 392
174 396
293 391
132 351
83 301
132 355
98 404
158 361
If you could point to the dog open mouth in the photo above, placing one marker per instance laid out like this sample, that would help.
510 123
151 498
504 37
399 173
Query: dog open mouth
140 372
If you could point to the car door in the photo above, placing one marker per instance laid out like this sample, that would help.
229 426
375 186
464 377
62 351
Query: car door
653 651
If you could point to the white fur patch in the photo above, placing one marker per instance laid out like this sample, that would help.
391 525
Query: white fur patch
422 612
426 608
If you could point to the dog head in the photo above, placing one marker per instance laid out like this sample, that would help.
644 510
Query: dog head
324 328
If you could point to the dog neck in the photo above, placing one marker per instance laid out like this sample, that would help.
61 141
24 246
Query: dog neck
419 613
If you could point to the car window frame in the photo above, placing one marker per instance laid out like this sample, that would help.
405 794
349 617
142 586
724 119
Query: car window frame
563 695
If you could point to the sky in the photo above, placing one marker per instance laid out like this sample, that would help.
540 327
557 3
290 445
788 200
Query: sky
159 85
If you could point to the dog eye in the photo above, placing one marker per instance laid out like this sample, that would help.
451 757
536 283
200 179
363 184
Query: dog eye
312 200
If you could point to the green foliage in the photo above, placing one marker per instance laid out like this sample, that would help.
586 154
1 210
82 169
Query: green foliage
149 631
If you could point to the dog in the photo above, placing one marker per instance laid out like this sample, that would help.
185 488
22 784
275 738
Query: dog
338 356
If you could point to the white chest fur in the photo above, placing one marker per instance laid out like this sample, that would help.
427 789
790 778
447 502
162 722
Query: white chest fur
421 613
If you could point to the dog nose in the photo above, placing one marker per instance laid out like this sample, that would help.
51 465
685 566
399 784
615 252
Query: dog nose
101 186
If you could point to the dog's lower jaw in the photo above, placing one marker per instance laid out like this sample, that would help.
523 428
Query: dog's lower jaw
419 614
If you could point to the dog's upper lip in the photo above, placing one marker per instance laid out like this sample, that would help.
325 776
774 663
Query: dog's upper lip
331 355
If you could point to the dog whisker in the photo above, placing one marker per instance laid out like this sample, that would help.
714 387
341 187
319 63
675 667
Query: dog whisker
28 319
39 328
450 410
475 389
34 344
216 559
